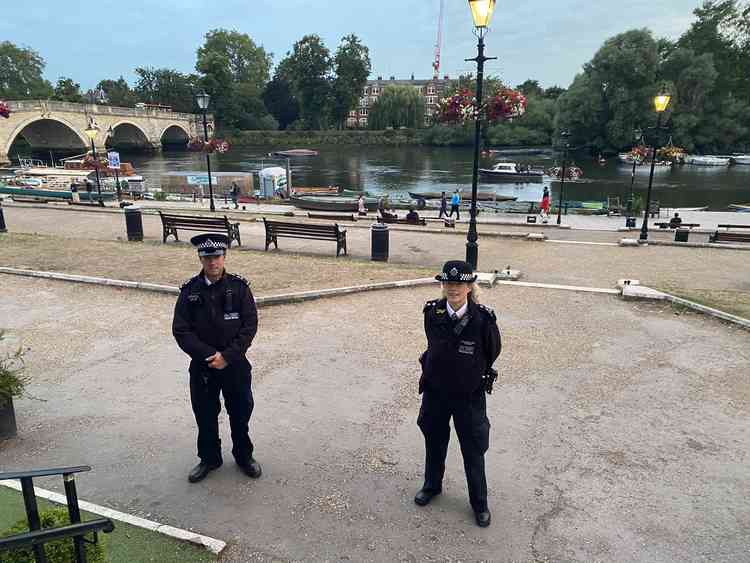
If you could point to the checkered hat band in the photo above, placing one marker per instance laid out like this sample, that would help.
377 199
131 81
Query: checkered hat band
212 245
461 277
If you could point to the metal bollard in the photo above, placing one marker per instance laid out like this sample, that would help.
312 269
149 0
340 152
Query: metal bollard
3 228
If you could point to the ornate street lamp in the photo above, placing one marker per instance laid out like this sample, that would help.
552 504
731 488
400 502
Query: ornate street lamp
566 146
91 132
660 105
481 12
202 99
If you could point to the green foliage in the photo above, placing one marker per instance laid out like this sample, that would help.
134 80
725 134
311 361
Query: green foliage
160 196
280 101
234 72
308 68
12 380
397 106
448 135
21 74
60 551
67 91
167 87
118 92
352 67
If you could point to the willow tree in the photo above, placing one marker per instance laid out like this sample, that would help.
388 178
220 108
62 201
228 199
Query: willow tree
397 106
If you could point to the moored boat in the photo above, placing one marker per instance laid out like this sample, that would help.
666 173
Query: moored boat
322 203
742 159
316 190
512 172
740 207
292 153
708 160
465 195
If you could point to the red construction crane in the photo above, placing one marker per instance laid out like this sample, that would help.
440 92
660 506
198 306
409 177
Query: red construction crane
436 62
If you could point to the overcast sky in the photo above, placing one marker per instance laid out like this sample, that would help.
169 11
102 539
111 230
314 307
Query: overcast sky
547 40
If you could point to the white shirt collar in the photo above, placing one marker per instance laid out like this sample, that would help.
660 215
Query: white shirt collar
460 313
208 281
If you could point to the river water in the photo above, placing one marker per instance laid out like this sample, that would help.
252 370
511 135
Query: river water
413 169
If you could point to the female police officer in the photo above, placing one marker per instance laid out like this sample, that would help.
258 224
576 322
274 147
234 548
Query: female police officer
463 341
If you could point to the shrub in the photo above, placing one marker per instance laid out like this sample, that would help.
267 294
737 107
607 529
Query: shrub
59 551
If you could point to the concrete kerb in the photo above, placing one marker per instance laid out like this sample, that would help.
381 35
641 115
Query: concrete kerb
211 544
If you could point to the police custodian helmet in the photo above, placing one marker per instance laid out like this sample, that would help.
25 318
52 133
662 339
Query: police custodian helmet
210 244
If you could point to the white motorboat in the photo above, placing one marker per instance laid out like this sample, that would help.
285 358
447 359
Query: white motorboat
512 172
743 159
708 160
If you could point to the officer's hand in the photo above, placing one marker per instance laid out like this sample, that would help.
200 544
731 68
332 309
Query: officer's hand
216 361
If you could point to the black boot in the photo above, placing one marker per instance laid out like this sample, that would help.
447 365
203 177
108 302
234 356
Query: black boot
424 496
483 518
251 468
200 471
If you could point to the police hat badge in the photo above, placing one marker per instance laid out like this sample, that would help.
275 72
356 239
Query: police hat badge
456 271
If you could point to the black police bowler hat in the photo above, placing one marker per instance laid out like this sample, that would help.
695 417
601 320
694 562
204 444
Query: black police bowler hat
457 271
210 245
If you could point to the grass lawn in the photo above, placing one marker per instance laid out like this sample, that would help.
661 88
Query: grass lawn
127 544
733 302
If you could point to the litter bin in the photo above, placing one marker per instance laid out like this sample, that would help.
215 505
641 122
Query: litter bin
630 222
134 223
681 235
380 242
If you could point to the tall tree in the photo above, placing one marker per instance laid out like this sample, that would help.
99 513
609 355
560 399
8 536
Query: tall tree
280 101
352 67
530 88
234 71
67 91
21 73
309 66
397 106
118 92
167 87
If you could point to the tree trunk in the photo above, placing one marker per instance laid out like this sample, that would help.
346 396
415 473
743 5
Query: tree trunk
7 421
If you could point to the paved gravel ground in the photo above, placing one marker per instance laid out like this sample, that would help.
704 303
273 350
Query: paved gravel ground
721 277
620 437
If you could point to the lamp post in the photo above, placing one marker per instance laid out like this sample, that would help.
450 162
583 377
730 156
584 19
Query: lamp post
202 100
637 136
660 104
481 12
566 146
91 133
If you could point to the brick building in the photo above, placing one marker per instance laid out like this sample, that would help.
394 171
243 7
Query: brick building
431 90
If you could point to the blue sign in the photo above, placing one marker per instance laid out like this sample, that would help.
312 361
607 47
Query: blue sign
201 179
113 160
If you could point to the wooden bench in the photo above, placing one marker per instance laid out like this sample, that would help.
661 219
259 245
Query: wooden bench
171 223
275 229
729 236
334 216
421 221
680 226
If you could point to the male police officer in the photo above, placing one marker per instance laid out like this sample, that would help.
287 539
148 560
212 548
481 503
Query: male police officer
215 320
463 341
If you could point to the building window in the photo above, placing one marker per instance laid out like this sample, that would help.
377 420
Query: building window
375 91
363 111
431 90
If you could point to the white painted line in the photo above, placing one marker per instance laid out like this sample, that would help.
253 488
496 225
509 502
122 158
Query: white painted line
583 242
211 544
562 287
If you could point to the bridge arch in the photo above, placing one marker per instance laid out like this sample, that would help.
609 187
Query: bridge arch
175 134
48 133
128 136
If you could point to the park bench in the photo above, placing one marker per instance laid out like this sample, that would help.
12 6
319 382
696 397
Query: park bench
171 223
729 236
36 537
421 221
333 216
668 225
275 229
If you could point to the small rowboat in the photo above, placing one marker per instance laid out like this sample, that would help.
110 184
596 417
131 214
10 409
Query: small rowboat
740 207
293 153
320 203
321 190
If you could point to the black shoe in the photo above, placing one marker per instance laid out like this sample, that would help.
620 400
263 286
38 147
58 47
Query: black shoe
251 468
424 496
200 471
483 518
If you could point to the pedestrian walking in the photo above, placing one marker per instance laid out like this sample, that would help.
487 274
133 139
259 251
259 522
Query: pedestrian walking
463 341
455 204
235 193
544 205
215 321
443 206
362 207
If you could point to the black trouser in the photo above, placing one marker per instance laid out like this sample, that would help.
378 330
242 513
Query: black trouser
443 211
234 385
455 208
473 428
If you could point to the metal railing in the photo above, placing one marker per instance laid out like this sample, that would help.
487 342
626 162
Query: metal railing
36 537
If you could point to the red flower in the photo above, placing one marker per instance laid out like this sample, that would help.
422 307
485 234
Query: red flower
212 145
461 107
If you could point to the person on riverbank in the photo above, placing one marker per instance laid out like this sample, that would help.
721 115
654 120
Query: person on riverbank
544 205
361 206
235 193
455 205
215 321
463 341
443 206
412 216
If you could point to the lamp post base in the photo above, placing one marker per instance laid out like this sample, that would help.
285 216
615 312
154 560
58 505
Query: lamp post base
472 254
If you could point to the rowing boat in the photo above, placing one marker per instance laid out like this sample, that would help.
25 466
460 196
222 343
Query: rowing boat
481 196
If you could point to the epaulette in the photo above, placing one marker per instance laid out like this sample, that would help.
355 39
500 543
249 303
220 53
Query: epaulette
429 305
487 310
188 282
240 278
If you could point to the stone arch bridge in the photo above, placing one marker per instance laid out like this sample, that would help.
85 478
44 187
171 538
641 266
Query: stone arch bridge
59 126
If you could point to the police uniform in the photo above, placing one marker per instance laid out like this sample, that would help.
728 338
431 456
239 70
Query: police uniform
461 349
218 317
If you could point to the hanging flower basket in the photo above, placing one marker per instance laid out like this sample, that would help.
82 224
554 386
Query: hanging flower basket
4 110
90 163
461 107
212 145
